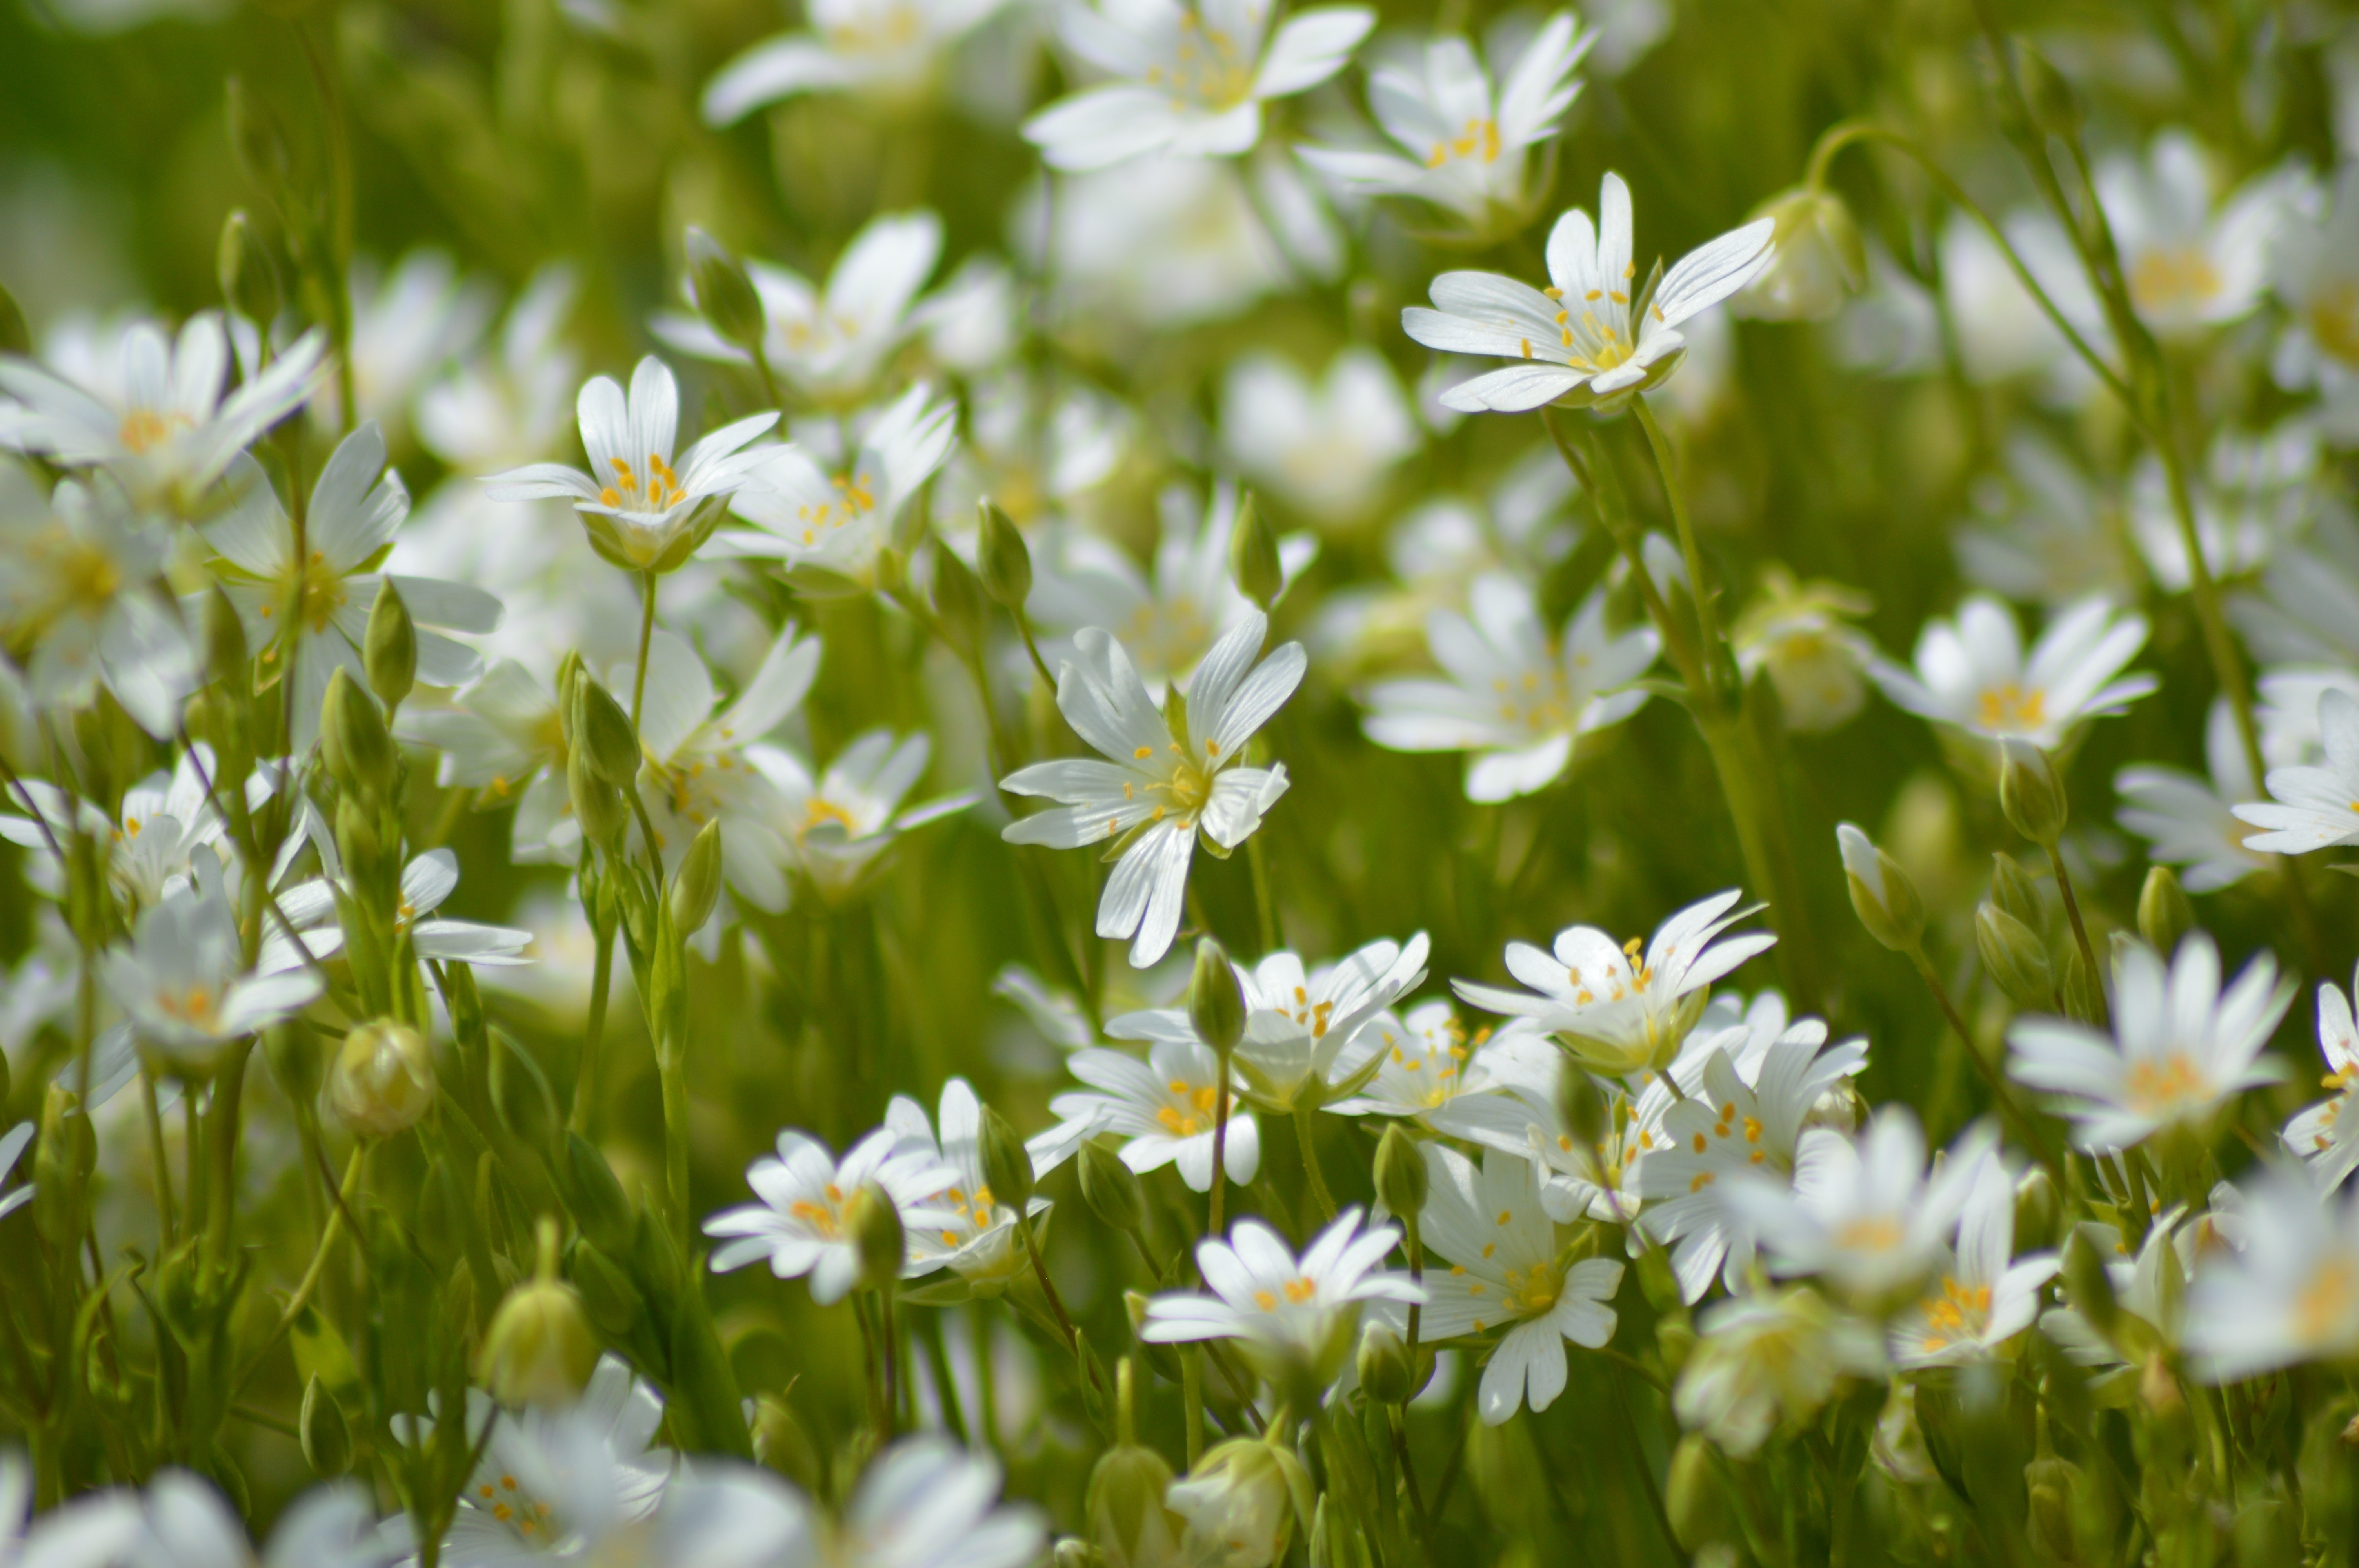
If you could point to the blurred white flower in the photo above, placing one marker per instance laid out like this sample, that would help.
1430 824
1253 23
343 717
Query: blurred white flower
2006 334
1166 1110
1430 1063
1327 448
407 329
510 406
1987 1295
2290 1293
2189 265
182 980
835 525
1256 1290
1973 674
426 882
2321 1136
1770 1358
2313 807
1163 243
1800 635
837 824
2256 495
892 51
798 1225
2191 820
2316 274
1190 81
2046 531
551 1484
505 737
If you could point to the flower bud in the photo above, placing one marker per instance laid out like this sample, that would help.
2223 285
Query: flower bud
357 839
1216 1003
569 669
249 283
390 651
1401 1174
1006 559
597 805
1128 1523
1384 1366
2055 107
1112 1189
603 732
875 1226
2013 891
539 1349
1582 1105
382 1079
2016 957
1881 894
1007 1164
725 294
1072 1551
2030 793
1819 260
2164 913
1695 1498
2038 1211
697 888
354 745
226 649
1253 556
2084 995
2087 1285
327 1441
958 600
780 1443
1241 1501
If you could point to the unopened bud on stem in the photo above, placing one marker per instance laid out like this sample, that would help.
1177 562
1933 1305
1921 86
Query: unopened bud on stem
725 296
1112 1189
1007 1164
1253 556
390 651
1006 559
697 888
2030 793
1216 1003
382 1079
2016 957
1401 1175
353 741
602 731
539 1349
1881 894
874 1226
2164 913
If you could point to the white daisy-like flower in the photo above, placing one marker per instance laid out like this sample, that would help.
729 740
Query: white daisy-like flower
2188 264
426 882
82 604
1328 446
164 820
182 981
839 822
1166 1109
1798 635
641 514
1190 80
1770 1358
979 1241
328 591
2258 494
1986 1295
2316 268
183 1520
700 766
1256 1290
798 1225
2170 1249
1502 1267
1168 777
926 1502
553 1483
1614 1009
1468 147
2313 806
1516 697
408 328
831 342
511 405
1430 1062
2290 1293
1860 1210
158 417
1595 337
834 526
1973 674
2181 1049
892 51
505 738
2191 820
2324 1137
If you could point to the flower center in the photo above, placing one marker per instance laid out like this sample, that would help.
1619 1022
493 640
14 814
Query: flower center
855 497
897 27
2334 321
505 1503
196 1006
2011 709
1960 1312
657 490
1869 1233
1194 1111
2175 1081
818 810
2169 278
1207 69
1587 340
1166 635
1538 701
1297 1291
825 1217
1532 1291
2320 1311
1480 139
144 429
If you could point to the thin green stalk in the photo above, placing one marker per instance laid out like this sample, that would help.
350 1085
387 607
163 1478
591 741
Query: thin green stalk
646 636
892 1361
585 1082
229 1092
938 1362
347 1195
2026 1127
2080 932
769 381
1220 1149
675 1108
1302 1132
167 1221
1191 1396
1707 614
987 1380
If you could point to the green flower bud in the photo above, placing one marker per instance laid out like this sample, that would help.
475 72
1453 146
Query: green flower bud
1817 262
2084 995
356 837
1006 559
1128 1523
382 1079
249 283
327 1441
603 732
2013 891
1695 1498
1401 1174
1072 1551
780 1443
390 651
725 294
892 570
958 600
1253 556
1007 1164
1382 1364
539 1349
354 745
1216 1003
2016 957
1245 1493
2030 793
569 670
697 888
2164 913
1112 1189
874 1226
597 805
16 337
2038 1211
1881 894
226 649
2088 1287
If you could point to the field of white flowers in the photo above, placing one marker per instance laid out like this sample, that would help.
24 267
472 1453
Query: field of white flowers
1168 783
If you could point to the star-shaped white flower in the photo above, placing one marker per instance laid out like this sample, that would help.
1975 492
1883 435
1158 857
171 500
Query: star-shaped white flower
2313 806
892 51
1166 1108
834 526
1973 675
798 1225
1256 1290
2326 1135
1986 1295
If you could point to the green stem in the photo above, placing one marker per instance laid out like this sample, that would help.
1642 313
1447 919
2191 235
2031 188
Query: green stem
769 381
938 1362
892 1362
346 1197
675 1108
646 636
2026 1127
1707 613
229 1091
1191 1396
2080 932
1219 1148
167 1221
585 1082
1302 1132
986 1381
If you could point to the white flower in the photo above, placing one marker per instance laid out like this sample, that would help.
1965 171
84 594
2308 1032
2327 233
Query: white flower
1588 339
1765 1358
1167 780
1166 1108
798 1227
838 524
1516 697
2288 717
183 982
890 50
2187 267
1430 1062
1973 674
1166 619
1798 636
512 407
831 343
1167 242
2323 1136
2191 820
554 1483
1988 1296
1190 80
505 738
2139 1284
1326 448
158 421
2289 1295
2045 531
1615 1011
2315 808
81 605
1468 149
2317 275
405 329
837 824
1239 1503
1505 1271
426 882
1860 1211
329 590
2181 1048
641 514
1255 1291
978 1240
926 1503
2256 495
165 819
182 1521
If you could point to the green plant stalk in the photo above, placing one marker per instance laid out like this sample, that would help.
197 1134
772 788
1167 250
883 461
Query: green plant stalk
585 1082
2026 1127
1302 1132
1220 1149
1191 1398
229 1090
646 636
892 1338
347 1197
937 1361
167 1221
2080 931
674 1078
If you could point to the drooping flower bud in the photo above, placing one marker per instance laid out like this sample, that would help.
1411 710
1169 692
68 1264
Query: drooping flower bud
1007 1164
1241 1501
2013 891
1112 1189
1216 1003
390 651
1818 261
539 1349
1881 894
382 1079
1401 1174
958 600
354 745
603 732
1253 556
597 805
1383 1365
2030 793
2016 957
1006 559
875 1226
696 889
2164 913
725 294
